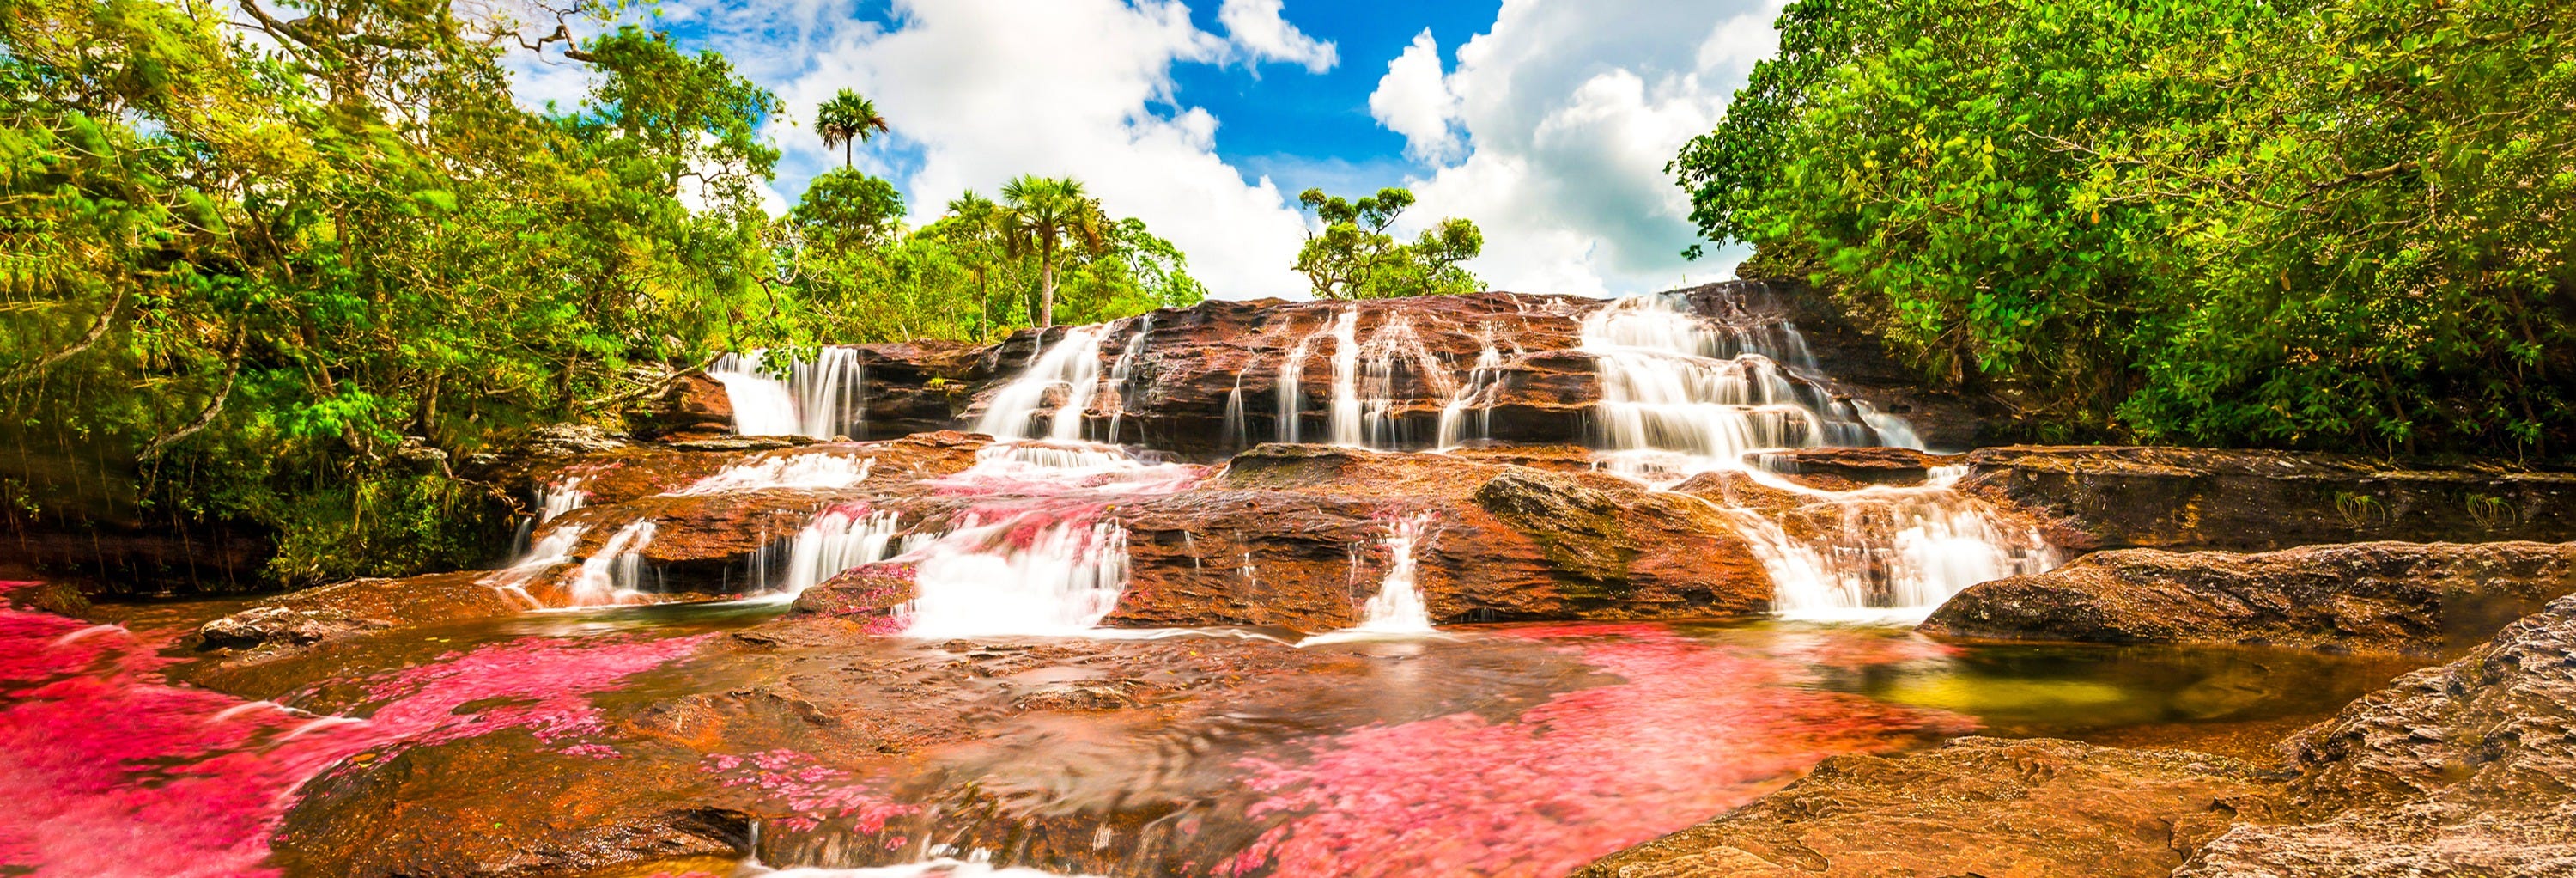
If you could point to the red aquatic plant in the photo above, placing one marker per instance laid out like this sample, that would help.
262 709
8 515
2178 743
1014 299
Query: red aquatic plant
1692 731
112 770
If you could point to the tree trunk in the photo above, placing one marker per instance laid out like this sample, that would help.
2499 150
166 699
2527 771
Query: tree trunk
1046 287
846 147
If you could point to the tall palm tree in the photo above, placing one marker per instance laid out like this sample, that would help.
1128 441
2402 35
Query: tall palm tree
1050 215
976 230
845 120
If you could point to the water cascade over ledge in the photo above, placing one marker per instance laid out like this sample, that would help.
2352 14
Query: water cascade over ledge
820 398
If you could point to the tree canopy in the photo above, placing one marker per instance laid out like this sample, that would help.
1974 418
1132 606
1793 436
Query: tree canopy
283 266
2331 225
1354 256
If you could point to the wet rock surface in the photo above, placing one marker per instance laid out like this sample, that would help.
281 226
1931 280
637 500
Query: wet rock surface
2184 498
1975 806
2464 769
2422 598
1499 542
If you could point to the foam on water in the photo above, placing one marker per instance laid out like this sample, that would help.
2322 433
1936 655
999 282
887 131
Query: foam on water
1020 575
806 471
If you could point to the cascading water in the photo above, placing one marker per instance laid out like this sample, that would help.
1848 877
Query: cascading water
820 397
555 549
1680 397
559 498
807 471
1071 365
1122 375
614 574
1017 576
836 540
1474 399
1677 394
1398 607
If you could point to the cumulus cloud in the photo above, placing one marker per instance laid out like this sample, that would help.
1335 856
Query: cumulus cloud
1570 109
980 91
1412 100
1261 34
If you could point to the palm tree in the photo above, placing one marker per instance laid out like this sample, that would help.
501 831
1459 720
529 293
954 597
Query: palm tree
1050 214
976 229
847 119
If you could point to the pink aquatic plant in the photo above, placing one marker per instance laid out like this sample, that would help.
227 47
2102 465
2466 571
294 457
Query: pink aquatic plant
1694 730
111 770
814 791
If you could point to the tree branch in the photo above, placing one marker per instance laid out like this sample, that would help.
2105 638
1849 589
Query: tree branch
96 330
214 407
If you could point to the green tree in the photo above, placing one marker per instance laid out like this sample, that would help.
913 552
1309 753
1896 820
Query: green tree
976 230
1052 217
1355 257
847 119
848 208
2333 225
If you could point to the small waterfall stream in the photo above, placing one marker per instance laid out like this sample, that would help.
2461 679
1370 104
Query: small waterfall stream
1020 575
1680 397
1398 607
820 397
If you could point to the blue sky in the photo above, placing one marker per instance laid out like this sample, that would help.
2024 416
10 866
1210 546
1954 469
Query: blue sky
1545 121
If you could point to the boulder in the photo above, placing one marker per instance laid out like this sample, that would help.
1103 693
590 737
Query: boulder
694 407
1976 806
356 607
2189 498
2421 598
2464 769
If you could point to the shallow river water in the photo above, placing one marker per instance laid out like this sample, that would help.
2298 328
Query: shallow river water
1493 750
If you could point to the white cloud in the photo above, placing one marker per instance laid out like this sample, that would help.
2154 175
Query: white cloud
980 91
1412 100
1570 109
1256 27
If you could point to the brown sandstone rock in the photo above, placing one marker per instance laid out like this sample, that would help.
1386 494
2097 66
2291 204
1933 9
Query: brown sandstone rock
2464 769
1977 806
2384 597
1843 469
2185 498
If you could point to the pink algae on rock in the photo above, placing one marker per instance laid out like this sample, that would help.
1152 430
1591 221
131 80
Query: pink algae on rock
814 792
1694 730
112 770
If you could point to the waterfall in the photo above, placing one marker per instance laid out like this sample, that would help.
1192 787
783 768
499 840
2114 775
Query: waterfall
836 540
1122 376
820 398
614 574
805 471
1680 396
1238 433
1398 607
555 549
1292 398
1017 576
1478 392
1072 364
1893 553
559 498
1342 418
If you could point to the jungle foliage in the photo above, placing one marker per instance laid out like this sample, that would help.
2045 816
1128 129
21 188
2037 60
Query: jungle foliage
285 265
2341 224
1354 256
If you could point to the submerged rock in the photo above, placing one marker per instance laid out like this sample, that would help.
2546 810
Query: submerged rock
2387 597
2190 498
359 606
1977 806
2464 769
